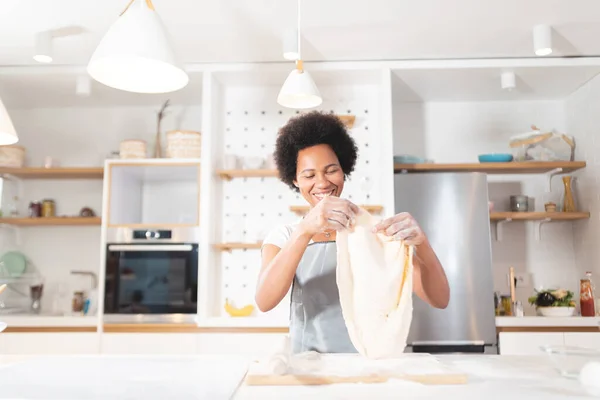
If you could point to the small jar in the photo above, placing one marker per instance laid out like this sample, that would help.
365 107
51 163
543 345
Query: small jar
48 208
35 209
519 203
78 300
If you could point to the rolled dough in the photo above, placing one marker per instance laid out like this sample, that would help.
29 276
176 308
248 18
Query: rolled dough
375 283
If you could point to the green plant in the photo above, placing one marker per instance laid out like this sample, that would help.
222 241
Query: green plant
552 298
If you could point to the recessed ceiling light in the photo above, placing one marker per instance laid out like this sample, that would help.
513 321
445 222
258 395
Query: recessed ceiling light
43 47
508 80
290 44
542 40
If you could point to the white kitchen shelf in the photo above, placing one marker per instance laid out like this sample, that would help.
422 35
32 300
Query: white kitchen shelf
534 321
41 321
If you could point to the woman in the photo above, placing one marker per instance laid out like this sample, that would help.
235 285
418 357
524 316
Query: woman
314 155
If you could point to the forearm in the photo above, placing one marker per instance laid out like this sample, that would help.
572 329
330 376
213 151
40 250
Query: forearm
433 278
275 280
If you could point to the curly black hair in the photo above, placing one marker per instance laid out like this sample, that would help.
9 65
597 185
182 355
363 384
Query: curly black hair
311 129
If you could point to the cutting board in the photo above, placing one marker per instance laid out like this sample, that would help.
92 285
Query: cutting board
334 369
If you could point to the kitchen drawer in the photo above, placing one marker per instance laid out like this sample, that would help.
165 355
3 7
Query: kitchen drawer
149 343
583 339
528 343
253 345
49 343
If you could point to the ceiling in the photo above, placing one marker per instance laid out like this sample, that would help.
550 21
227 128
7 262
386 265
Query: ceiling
207 31
237 31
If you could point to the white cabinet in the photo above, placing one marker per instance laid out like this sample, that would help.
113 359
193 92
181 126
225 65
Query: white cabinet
528 343
149 343
253 345
49 343
583 339
155 192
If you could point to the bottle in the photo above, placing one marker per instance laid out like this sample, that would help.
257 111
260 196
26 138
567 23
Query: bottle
586 296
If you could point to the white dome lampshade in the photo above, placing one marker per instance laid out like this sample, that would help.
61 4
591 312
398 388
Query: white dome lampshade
136 54
299 90
8 134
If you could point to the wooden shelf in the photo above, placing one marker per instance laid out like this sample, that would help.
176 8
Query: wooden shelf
237 246
369 208
52 221
538 216
247 173
54 173
527 167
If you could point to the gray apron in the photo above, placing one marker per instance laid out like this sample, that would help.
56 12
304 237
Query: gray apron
316 322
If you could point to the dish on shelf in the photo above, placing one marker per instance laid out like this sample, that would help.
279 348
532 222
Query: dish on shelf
495 157
553 303
408 159
569 360
2 326
556 311
13 264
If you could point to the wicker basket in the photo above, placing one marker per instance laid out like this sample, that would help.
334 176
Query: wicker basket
132 148
12 156
184 144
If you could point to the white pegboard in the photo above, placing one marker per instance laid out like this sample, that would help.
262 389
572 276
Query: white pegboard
252 206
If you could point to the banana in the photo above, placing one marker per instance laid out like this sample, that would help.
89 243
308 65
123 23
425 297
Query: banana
238 312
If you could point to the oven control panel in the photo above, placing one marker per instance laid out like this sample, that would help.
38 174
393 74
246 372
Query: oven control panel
152 234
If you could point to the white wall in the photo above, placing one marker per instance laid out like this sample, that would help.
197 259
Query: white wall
583 120
76 136
459 132
247 119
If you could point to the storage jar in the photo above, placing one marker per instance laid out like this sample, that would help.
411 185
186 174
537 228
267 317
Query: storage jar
184 144
12 156
132 148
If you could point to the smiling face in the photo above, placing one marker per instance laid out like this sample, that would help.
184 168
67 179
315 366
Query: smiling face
318 173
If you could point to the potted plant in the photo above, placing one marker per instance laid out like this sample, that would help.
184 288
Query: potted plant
553 302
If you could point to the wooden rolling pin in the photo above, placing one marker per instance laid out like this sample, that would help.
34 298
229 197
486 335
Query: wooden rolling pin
297 380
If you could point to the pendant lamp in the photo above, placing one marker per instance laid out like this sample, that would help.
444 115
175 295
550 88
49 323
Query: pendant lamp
136 54
8 134
299 90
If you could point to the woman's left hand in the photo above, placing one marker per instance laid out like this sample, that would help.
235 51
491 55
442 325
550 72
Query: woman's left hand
402 227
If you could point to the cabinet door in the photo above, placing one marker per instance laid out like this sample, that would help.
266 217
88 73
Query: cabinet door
528 343
253 345
583 339
49 343
149 343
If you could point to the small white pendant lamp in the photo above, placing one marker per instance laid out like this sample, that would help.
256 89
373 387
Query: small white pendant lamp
299 90
136 55
8 134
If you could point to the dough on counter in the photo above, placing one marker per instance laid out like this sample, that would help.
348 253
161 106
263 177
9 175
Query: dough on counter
375 282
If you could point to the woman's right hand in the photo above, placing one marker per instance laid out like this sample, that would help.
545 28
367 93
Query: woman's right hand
331 213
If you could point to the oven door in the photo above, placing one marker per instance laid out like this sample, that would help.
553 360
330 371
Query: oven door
158 278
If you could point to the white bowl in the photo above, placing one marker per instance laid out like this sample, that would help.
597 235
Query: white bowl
556 311
570 360
2 326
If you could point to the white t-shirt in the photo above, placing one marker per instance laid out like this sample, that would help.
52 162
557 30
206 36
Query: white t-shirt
281 234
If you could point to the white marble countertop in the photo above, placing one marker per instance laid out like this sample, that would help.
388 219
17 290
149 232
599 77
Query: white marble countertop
90 321
218 377
548 321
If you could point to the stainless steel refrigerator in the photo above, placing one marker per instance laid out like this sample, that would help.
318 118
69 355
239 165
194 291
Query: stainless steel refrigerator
452 209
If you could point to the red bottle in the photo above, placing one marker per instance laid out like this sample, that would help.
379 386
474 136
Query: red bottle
586 296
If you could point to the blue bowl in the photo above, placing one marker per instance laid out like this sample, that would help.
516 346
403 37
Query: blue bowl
495 157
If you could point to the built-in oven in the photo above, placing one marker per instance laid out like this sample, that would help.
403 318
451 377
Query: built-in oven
151 274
